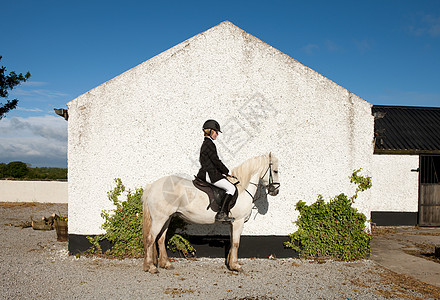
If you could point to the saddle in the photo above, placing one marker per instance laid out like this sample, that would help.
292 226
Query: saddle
215 194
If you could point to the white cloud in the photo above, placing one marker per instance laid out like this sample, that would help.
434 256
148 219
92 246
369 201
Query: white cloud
33 88
333 46
364 45
33 83
327 45
38 92
433 24
422 24
310 48
40 141
50 127
29 109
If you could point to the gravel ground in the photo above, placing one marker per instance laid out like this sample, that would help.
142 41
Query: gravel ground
34 265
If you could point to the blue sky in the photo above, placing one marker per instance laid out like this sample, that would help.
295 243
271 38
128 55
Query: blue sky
387 52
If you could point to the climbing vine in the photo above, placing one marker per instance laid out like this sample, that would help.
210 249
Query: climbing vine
334 228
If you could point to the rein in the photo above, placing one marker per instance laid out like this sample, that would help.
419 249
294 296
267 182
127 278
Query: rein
253 198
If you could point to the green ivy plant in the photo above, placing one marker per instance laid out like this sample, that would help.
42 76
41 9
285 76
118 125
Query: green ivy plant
333 229
178 239
123 227
180 244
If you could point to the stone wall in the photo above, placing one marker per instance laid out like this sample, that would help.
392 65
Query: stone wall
33 191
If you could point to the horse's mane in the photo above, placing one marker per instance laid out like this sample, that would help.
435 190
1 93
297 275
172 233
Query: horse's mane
248 168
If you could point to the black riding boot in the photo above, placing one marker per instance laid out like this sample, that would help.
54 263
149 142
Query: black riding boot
223 214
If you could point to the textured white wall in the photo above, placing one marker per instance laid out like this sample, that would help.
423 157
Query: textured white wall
146 123
395 187
33 191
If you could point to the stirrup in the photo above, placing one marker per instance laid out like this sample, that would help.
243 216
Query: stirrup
223 217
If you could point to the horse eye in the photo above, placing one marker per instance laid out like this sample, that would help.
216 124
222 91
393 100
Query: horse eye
275 171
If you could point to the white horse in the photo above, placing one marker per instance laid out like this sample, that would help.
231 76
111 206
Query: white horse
175 195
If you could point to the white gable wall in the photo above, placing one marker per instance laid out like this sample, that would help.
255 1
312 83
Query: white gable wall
146 123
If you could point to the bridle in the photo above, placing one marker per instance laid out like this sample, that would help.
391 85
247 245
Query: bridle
272 186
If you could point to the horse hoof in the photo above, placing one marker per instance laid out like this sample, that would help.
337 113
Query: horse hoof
151 269
167 266
236 268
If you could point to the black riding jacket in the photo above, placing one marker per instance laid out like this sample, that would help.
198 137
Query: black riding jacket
210 162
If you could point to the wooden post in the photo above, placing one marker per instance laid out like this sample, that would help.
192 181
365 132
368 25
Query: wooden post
437 251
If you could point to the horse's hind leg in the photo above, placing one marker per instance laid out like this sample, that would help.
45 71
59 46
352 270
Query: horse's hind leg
150 257
149 247
164 262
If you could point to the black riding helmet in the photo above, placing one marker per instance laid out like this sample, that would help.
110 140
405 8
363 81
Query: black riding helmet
212 124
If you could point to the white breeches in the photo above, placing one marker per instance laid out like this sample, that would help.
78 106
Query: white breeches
223 184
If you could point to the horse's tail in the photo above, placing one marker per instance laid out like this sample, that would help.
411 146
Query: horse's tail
146 226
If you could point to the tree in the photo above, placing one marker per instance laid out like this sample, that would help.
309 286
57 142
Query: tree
8 82
17 169
2 170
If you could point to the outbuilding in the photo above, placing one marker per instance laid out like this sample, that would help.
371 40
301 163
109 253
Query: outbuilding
406 166
146 123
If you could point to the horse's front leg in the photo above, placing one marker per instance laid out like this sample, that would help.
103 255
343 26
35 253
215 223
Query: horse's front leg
232 260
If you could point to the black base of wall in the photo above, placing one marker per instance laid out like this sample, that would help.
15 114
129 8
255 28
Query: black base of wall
391 218
211 246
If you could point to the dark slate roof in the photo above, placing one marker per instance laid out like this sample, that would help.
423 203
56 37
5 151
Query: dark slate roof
406 129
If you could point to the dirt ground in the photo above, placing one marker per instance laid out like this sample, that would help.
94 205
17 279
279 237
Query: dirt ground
34 265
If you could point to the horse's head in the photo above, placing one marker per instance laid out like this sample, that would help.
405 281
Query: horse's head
270 177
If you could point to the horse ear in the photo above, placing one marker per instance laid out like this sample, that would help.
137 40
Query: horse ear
270 155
